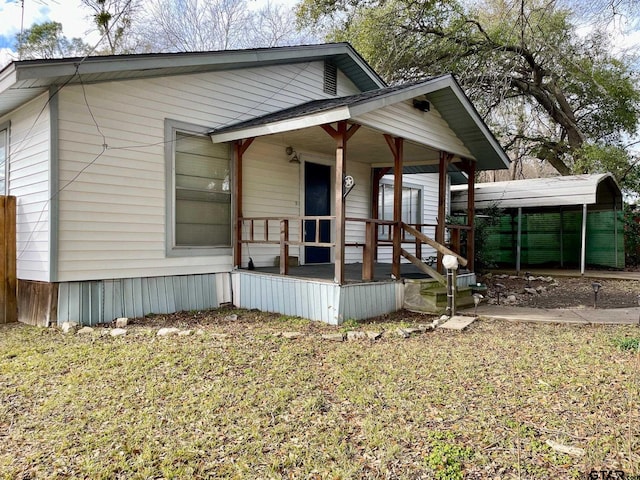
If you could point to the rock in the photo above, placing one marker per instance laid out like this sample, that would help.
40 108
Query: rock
425 328
168 331
541 289
85 331
512 299
118 332
292 335
401 332
513 277
185 333
547 279
334 337
355 335
121 322
530 291
558 447
412 330
199 331
371 335
69 327
219 336
231 318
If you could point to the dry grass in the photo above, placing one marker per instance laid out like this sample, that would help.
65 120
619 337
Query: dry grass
479 404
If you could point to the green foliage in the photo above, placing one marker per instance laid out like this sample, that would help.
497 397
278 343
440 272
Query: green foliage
45 40
543 88
446 458
602 158
485 220
631 221
628 343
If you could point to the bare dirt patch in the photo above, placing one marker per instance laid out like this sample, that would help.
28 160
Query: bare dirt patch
561 292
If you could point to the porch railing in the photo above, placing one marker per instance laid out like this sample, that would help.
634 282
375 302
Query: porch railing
262 230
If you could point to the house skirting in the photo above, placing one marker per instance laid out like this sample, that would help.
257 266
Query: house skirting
101 301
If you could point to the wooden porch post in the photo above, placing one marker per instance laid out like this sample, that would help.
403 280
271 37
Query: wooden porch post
396 145
341 135
239 148
470 169
445 159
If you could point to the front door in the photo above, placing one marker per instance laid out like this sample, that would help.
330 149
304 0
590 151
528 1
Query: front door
317 201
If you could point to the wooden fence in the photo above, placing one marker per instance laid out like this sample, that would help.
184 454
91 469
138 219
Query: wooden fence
8 301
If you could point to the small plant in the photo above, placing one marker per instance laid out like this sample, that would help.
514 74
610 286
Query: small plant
446 459
349 324
628 344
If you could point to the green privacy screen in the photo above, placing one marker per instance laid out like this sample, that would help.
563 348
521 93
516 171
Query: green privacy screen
555 239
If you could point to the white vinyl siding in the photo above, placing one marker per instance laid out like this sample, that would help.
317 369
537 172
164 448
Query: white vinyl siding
403 120
112 216
27 178
4 153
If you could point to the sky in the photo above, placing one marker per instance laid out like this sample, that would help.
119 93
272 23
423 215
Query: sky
76 22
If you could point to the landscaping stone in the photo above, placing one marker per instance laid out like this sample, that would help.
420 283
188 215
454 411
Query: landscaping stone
558 447
356 335
334 337
401 332
185 333
85 331
168 331
121 322
69 327
530 291
292 335
231 318
541 289
371 335
219 336
118 332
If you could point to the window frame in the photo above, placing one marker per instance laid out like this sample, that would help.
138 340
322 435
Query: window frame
411 186
5 129
171 127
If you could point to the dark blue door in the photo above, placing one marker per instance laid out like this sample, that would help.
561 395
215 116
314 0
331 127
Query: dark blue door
317 201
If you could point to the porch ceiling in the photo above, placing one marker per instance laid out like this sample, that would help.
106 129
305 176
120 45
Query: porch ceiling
366 146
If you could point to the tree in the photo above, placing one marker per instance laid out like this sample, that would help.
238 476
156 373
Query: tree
45 40
543 88
194 25
114 20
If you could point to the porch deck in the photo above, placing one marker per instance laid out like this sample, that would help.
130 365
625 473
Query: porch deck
352 272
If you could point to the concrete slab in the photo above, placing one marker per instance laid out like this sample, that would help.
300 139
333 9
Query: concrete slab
613 316
458 322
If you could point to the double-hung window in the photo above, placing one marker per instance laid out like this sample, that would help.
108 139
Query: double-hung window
411 204
199 192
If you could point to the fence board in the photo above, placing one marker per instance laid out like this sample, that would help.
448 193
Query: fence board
8 281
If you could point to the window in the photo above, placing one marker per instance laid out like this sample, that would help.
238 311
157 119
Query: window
200 192
4 155
411 205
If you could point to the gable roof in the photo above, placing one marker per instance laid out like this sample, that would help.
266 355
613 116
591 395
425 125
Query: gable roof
568 190
24 80
444 92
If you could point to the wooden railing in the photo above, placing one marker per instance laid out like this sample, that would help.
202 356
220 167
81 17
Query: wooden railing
260 230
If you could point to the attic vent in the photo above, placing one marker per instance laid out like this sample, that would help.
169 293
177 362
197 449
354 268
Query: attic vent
330 79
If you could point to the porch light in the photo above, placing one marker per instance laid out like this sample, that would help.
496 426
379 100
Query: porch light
422 105
596 287
293 154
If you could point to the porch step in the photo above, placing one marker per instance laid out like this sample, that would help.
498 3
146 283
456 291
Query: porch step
430 296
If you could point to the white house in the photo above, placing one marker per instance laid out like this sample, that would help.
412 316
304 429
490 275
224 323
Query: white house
146 183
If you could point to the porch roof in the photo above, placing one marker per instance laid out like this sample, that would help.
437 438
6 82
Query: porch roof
443 92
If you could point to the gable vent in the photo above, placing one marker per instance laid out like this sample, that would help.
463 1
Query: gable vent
330 79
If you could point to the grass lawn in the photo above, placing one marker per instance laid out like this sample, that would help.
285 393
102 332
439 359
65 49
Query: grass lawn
476 404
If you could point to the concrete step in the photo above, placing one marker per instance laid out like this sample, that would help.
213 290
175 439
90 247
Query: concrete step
427 297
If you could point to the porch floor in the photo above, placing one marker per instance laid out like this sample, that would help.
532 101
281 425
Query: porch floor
352 272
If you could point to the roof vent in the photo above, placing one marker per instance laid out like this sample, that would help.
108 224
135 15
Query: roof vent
330 79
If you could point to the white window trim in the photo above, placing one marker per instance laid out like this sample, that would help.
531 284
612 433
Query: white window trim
173 250
387 181
6 126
